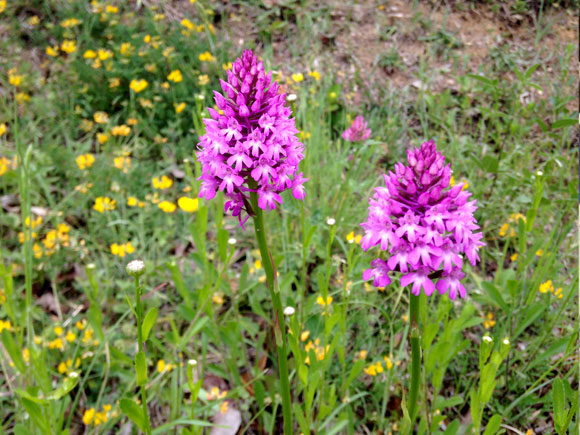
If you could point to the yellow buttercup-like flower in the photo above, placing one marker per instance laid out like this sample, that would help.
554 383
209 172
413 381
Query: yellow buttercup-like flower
121 130
179 107
206 57
85 161
162 183
175 76
121 250
68 46
123 163
298 77
167 207
102 138
189 205
52 51
103 203
203 79
138 85
101 117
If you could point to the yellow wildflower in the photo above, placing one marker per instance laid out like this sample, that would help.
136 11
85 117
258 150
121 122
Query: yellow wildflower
103 204
68 46
162 183
138 85
189 205
71 22
122 163
5 324
514 257
102 138
90 54
540 252
227 66
503 229
388 363
298 77
33 20
203 79
187 24
175 76
179 107
88 416
121 130
167 207
114 82
132 121
324 303
218 298
224 407
15 79
546 287
110 9
101 117
314 74
206 57
56 344
489 322
70 336
126 48
52 51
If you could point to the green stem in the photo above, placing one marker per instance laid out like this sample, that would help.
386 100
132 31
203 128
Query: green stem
139 311
415 358
278 318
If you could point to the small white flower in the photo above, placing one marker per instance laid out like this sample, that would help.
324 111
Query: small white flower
136 268
232 241
506 341
289 311
291 97
192 363
539 173
73 375
200 97
487 338
330 221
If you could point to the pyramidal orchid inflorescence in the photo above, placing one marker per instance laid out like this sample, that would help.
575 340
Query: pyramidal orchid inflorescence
358 131
252 146
425 227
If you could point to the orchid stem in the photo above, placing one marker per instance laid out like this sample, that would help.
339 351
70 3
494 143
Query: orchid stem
278 317
415 358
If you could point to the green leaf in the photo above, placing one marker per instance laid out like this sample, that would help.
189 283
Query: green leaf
36 415
530 315
13 351
141 368
132 410
149 322
182 422
558 403
490 164
222 237
303 374
26 395
452 428
20 429
475 409
493 425
483 79
66 387
495 295
566 122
